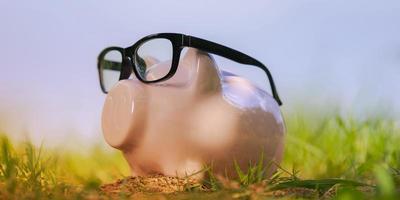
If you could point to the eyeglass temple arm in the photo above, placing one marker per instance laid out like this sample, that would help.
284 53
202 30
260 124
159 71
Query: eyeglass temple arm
231 54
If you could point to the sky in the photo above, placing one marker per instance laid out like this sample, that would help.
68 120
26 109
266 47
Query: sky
321 53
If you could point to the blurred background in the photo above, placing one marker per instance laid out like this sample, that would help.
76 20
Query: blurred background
324 55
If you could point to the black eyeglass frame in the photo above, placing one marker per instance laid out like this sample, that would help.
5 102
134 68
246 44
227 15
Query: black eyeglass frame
179 41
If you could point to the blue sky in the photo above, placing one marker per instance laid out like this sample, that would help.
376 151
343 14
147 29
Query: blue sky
321 53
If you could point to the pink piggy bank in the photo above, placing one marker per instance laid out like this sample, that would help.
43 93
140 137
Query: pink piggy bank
201 116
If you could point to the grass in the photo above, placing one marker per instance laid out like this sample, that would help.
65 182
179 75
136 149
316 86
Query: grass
355 158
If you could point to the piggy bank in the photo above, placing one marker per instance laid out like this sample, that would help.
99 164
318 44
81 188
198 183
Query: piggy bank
202 116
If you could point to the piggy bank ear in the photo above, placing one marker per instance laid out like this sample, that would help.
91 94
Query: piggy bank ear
155 69
205 77
149 60
197 71
184 74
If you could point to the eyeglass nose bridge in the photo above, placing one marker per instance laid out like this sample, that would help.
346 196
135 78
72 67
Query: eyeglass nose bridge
126 68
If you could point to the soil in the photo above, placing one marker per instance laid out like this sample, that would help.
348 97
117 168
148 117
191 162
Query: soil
150 184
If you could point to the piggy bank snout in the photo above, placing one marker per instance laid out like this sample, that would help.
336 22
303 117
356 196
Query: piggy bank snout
119 118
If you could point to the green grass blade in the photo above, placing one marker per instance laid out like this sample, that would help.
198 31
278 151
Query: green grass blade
321 184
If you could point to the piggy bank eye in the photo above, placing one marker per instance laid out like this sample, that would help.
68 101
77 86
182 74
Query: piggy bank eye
110 68
153 59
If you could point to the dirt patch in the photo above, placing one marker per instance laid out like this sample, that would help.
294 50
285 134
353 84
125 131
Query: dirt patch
150 184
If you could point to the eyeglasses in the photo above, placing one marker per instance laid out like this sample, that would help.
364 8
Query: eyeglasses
115 63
